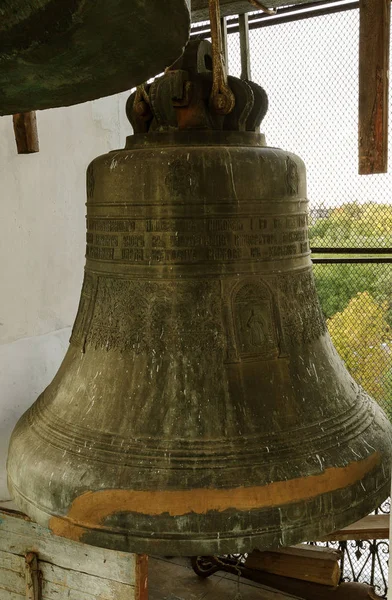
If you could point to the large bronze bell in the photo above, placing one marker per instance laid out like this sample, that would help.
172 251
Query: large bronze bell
62 52
201 407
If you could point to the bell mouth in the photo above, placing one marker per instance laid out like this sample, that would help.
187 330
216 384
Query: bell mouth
205 137
283 526
146 513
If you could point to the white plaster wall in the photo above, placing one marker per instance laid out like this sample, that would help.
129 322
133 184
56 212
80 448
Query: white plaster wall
42 243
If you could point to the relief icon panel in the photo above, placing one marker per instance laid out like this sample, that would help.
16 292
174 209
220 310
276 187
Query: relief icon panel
255 322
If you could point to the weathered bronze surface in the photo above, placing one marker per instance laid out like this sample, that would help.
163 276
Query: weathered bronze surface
201 407
61 52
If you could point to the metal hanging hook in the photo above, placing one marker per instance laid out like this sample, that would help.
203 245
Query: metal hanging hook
141 104
222 99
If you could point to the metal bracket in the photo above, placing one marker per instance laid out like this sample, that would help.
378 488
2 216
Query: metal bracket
33 577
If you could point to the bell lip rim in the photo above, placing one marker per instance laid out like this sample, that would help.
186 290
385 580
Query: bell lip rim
110 538
196 137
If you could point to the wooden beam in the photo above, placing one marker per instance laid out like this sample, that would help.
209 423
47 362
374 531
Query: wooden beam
374 43
372 527
141 578
244 47
304 562
223 23
235 7
26 132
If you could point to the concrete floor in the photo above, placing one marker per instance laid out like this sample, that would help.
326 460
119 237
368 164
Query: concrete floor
174 579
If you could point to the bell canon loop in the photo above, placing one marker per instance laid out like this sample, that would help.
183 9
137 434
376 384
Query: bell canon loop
201 407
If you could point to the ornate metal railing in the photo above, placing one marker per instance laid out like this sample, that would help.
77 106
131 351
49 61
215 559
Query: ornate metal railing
365 561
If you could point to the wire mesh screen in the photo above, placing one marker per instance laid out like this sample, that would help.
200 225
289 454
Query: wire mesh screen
356 301
309 68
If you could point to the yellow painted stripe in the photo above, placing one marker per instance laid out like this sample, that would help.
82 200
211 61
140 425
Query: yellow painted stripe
92 508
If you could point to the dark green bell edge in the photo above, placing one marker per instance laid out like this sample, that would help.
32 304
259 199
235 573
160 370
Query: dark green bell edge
201 407
62 52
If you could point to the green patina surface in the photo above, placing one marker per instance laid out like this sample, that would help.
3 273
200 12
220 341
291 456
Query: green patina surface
56 53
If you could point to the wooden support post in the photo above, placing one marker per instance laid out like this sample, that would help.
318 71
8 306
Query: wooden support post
244 46
374 41
223 22
26 132
141 577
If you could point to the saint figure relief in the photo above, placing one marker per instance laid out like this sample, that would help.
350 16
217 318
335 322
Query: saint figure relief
254 321
255 328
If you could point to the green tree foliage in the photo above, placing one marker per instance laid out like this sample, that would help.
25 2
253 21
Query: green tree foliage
362 336
357 299
337 283
354 225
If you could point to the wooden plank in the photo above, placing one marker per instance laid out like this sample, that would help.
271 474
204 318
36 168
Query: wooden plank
26 132
56 580
235 7
374 42
70 570
11 581
304 562
372 527
60 583
11 562
7 595
19 535
52 592
312 591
